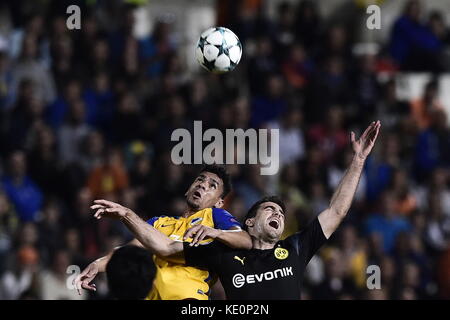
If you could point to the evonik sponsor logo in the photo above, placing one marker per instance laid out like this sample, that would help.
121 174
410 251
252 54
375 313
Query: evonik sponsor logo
240 280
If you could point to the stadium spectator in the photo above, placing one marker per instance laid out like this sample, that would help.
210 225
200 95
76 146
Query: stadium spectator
270 105
72 133
423 108
380 167
252 187
8 227
154 50
291 137
20 278
390 110
296 200
335 286
405 201
443 274
110 177
336 172
308 24
388 223
354 256
53 281
413 45
44 161
431 149
28 67
25 117
329 137
261 65
92 150
366 88
330 86
23 192
49 229
297 68
99 56
437 233
6 94
284 29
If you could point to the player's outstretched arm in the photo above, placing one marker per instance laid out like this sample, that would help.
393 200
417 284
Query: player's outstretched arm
149 237
343 196
234 238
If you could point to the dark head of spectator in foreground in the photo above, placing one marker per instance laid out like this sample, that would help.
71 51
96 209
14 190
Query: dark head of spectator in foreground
130 273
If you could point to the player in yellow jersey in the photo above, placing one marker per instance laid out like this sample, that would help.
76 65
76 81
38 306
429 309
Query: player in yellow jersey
203 219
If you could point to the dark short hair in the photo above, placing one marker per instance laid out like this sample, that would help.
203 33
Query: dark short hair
130 273
222 173
254 209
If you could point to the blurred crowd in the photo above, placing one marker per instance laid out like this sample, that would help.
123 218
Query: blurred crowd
87 114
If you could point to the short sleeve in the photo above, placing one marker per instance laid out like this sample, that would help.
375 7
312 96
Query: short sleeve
308 241
224 220
204 256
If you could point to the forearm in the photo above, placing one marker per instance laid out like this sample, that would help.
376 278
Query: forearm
103 261
236 239
343 196
149 237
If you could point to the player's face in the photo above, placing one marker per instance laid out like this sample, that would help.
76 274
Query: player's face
269 220
205 192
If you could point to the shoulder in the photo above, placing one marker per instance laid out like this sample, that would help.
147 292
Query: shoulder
224 220
152 221
219 211
311 231
291 242
219 214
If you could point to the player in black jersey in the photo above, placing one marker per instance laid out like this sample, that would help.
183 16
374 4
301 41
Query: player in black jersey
272 269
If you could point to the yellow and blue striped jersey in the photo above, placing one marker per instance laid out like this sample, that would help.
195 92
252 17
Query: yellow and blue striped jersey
174 280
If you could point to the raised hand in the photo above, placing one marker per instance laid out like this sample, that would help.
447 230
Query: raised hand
109 209
363 146
200 232
84 279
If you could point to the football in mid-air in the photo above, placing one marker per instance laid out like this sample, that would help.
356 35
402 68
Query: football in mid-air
218 50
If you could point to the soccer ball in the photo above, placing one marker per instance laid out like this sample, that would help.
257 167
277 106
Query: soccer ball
218 50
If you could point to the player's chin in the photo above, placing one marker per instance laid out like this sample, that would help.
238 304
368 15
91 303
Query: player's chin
193 203
274 233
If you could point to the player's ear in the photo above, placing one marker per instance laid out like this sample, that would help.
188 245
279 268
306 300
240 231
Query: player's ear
219 204
250 222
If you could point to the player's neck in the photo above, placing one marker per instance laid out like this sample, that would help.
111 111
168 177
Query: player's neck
189 212
263 244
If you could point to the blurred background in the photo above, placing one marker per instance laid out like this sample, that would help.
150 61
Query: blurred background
88 114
